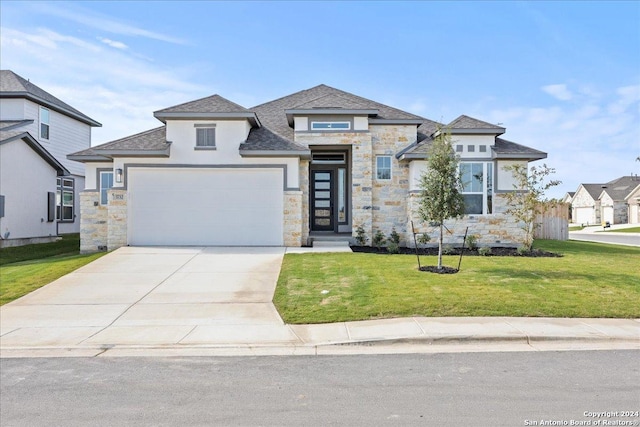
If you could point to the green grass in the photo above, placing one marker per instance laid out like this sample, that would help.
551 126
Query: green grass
576 228
26 268
591 280
625 230
69 244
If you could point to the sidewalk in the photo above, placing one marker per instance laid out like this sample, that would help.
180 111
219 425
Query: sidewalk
401 335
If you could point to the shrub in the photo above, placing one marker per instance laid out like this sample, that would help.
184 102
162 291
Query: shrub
393 242
361 237
448 250
472 241
523 250
378 239
484 251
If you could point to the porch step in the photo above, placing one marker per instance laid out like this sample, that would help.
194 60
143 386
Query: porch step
329 243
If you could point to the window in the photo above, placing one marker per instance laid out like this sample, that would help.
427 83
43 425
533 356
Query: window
459 148
106 182
383 167
64 200
330 125
44 123
477 187
471 148
206 137
483 148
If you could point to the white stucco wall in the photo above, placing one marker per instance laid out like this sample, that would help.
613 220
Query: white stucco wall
504 179
25 185
474 141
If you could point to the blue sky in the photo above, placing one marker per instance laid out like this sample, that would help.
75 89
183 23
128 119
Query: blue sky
563 77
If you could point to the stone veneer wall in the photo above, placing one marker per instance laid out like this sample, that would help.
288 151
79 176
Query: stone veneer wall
361 172
304 196
498 229
389 198
292 228
117 219
93 222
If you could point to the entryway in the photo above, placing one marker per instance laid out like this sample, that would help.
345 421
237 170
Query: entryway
330 195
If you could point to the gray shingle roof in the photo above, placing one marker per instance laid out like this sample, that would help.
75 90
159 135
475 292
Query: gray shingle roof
466 122
505 149
272 114
620 188
153 140
14 86
13 124
209 104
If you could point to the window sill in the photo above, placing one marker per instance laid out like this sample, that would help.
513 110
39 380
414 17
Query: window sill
204 148
66 221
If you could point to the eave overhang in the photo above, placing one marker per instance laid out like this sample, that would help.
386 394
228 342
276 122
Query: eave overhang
518 156
471 131
306 154
41 101
251 117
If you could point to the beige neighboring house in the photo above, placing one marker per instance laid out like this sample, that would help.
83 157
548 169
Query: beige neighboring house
321 163
633 202
614 202
39 186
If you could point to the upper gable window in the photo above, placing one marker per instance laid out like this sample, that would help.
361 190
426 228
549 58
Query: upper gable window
383 168
44 123
206 136
330 125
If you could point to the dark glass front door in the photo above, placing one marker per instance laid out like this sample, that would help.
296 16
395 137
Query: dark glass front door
322 200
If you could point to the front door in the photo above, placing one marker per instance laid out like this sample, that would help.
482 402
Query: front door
322 200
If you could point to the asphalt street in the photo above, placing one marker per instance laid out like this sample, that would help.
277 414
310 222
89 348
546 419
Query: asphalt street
613 238
460 389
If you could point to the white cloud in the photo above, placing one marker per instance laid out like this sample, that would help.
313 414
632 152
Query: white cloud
113 43
593 141
558 91
113 86
103 23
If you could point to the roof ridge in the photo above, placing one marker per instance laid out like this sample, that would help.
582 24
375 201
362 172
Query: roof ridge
464 116
215 95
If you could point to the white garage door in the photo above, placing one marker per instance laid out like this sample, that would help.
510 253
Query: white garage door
182 206
634 218
584 216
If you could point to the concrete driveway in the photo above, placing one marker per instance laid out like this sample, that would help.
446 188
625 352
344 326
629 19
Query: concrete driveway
151 296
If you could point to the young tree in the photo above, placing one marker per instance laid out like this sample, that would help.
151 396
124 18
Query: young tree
440 197
528 200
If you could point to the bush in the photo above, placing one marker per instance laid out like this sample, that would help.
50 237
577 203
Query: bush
448 250
472 241
378 239
522 250
484 251
361 237
393 242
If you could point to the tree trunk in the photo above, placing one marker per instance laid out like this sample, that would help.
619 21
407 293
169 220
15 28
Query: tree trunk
440 247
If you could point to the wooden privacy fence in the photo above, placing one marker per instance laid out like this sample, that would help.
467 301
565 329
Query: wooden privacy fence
553 222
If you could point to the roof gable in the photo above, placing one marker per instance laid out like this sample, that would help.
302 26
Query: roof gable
14 135
212 107
14 86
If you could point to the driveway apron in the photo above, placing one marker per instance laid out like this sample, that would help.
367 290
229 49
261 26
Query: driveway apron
155 296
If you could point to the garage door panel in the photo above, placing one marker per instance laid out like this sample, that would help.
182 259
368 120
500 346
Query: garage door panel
205 206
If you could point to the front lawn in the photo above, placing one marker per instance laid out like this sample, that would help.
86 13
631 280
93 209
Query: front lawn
591 280
26 268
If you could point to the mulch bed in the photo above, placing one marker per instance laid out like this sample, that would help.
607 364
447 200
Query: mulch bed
456 251
435 269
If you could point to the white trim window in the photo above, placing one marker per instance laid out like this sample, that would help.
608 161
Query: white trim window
106 182
44 123
65 200
477 190
330 125
383 168
206 137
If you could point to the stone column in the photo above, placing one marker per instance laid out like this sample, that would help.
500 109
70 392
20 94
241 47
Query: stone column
117 219
292 230
93 223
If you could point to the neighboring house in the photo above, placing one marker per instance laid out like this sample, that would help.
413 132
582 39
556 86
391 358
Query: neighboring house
39 186
320 162
633 202
568 197
613 202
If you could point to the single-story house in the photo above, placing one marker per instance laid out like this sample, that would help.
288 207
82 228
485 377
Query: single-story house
319 163
611 202
37 131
